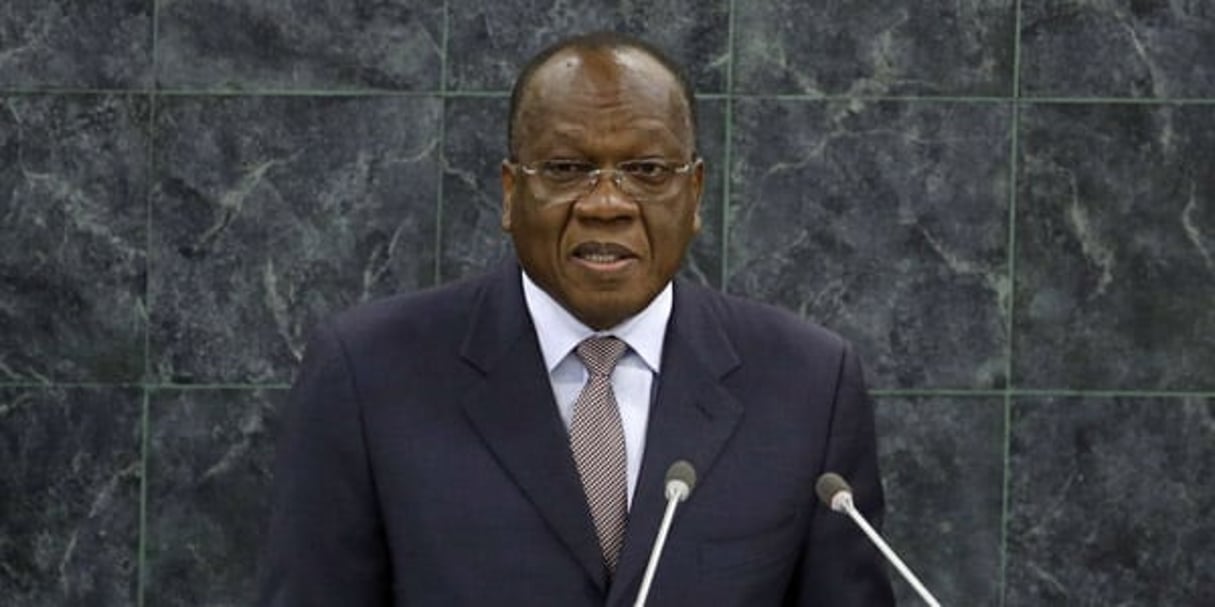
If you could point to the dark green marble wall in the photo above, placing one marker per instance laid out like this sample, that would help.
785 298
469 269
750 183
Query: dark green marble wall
1008 205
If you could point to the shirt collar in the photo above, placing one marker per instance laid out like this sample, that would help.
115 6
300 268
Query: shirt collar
559 332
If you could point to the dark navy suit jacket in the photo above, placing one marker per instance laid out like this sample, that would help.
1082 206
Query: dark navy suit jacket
423 462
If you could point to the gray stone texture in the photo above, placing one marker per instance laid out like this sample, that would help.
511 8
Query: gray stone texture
1110 502
1025 261
942 461
1116 247
210 456
288 45
70 472
878 47
75 44
270 212
886 221
1118 48
73 228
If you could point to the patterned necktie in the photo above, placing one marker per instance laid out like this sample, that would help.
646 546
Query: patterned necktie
597 442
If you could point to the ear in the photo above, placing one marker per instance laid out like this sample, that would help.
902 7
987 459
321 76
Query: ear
508 194
698 183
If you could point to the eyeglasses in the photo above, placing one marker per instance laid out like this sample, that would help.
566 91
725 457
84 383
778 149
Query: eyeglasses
641 180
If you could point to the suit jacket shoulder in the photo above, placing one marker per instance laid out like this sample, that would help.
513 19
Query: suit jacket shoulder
761 332
766 321
425 316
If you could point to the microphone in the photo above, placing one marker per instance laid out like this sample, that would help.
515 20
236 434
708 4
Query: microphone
681 479
834 491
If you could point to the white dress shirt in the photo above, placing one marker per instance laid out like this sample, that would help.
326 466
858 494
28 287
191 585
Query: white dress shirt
633 378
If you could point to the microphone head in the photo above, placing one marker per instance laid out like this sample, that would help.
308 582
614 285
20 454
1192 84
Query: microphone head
681 479
829 485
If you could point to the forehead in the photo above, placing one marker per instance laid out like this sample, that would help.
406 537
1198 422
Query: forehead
591 92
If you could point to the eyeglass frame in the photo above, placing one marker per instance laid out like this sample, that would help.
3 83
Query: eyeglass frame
591 179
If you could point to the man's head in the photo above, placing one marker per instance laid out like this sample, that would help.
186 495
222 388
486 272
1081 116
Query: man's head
602 247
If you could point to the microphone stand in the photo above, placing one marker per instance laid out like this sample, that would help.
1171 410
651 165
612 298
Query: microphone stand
842 501
681 478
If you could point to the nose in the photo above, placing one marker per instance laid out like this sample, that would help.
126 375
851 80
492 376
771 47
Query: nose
606 198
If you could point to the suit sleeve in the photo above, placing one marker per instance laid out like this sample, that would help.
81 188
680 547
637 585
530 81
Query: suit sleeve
839 566
326 542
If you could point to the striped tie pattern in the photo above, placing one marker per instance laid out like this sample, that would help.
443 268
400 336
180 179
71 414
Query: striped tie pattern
597 442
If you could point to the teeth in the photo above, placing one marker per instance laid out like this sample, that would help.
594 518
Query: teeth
600 257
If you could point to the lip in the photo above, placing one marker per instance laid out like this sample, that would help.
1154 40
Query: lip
618 265
603 257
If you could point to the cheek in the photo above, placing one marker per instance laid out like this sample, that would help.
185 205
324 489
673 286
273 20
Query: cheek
540 231
671 232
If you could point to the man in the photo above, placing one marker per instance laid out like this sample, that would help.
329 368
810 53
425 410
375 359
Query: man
464 446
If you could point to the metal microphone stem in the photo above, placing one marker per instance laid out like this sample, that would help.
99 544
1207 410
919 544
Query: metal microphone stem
894 559
659 543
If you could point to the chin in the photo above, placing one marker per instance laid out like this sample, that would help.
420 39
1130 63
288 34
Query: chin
605 310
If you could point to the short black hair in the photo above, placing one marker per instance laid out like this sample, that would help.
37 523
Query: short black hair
601 40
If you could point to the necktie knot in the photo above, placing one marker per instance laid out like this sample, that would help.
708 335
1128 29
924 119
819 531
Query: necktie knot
600 354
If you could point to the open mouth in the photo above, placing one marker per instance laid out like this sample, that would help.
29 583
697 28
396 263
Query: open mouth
602 253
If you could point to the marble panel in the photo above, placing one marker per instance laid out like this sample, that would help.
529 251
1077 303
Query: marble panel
1118 48
57 44
490 41
73 211
1116 247
942 462
300 44
69 496
885 221
271 213
473 148
210 457
1110 502
472 189
883 47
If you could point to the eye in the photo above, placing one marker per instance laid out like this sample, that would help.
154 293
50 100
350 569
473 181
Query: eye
565 170
646 170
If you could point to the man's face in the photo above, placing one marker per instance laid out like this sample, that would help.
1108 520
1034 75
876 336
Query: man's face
603 255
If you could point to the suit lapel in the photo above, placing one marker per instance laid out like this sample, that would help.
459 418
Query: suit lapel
514 412
691 418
